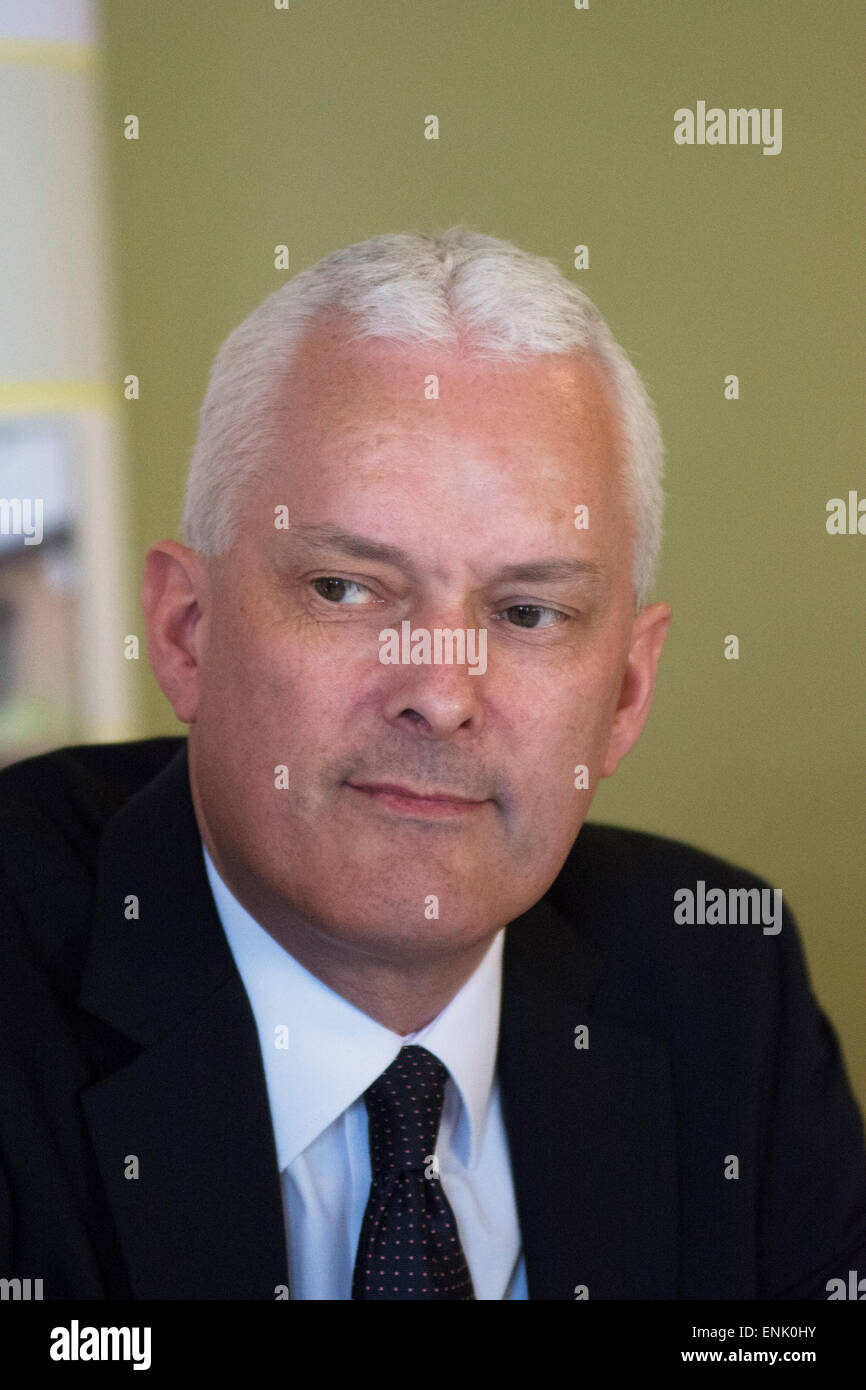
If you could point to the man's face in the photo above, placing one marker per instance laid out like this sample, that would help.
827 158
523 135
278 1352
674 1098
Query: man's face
454 512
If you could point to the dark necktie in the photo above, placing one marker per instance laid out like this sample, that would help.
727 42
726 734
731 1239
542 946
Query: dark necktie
409 1246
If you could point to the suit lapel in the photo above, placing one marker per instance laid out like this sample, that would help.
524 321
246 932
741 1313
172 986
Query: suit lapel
203 1217
590 1130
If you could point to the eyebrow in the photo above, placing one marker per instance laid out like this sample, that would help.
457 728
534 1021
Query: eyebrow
552 570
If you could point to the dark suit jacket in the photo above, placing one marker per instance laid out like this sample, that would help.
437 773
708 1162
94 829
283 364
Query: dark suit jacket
129 1037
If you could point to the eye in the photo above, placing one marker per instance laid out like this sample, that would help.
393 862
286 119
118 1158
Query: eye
528 615
334 590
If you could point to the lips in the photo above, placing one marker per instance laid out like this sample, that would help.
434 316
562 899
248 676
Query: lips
409 799
391 789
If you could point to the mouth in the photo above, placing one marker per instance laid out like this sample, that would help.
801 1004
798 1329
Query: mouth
428 805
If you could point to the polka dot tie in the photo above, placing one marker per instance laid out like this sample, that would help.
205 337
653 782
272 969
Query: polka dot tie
409 1245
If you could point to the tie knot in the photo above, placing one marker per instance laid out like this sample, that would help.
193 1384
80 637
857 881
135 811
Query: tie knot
404 1106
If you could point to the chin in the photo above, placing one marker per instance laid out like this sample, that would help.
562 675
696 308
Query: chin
408 926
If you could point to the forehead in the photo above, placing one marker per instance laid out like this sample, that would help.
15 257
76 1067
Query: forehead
338 383
409 441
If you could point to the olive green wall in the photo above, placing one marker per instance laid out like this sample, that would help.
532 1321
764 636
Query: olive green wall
305 126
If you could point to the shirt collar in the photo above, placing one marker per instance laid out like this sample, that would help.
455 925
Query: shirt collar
320 1052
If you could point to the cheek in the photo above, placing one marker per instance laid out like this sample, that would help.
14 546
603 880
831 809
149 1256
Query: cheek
243 684
573 733
292 704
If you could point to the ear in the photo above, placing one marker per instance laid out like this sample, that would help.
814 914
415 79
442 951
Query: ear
174 596
649 630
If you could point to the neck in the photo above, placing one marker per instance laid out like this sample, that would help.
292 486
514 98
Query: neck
397 982
403 997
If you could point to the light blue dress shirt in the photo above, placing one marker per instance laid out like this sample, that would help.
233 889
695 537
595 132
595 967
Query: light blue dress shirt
320 1054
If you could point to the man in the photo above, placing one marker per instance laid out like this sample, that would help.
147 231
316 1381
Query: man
332 1002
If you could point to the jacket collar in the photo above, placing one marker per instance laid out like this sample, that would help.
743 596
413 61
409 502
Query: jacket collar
590 1128
203 1216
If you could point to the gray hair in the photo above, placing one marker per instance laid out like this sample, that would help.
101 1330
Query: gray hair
412 288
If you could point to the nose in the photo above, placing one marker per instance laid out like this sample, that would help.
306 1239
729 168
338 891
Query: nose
437 696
